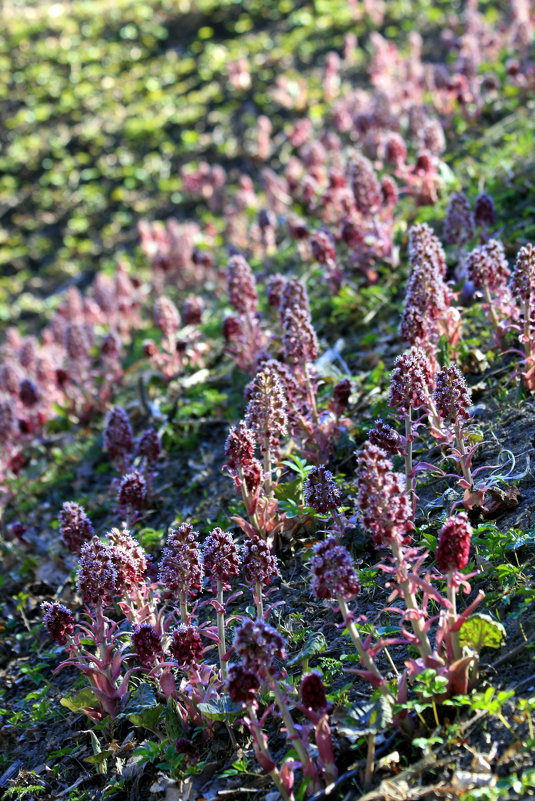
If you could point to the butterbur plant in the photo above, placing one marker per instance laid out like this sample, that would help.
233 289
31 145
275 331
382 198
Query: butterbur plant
266 416
334 578
181 568
259 569
75 527
242 331
260 647
118 438
523 288
221 561
404 568
452 399
488 270
103 662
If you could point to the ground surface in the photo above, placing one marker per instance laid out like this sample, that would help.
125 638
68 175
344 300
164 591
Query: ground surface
101 108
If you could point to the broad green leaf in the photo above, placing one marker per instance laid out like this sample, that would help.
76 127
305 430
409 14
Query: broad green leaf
481 631
80 700
142 698
173 721
220 709
98 759
367 718
290 491
314 645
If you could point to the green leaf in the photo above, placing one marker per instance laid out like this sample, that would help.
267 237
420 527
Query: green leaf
173 720
291 491
314 645
100 758
79 701
481 631
142 698
220 709
367 718
142 708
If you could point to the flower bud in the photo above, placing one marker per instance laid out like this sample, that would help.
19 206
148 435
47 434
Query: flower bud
453 546
186 646
312 692
242 685
147 644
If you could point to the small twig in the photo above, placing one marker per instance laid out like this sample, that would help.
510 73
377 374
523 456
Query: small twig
509 655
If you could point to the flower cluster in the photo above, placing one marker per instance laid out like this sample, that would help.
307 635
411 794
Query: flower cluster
427 301
75 526
186 646
132 494
147 643
320 491
221 558
333 574
385 437
453 546
129 560
242 684
312 692
259 564
412 380
266 411
487 266
97 574
118 437
459 222
451 395
384 505
258 645
181 569
58 621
